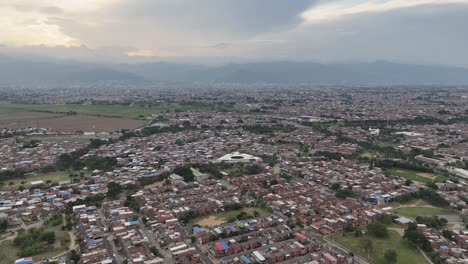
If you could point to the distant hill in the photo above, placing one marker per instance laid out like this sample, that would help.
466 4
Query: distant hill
304 72
380 72
16 71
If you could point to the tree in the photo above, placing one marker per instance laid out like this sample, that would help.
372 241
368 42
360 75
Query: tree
74 256
48 237
11 184
335 186
377 229
113 189
343 193
390 256
448 234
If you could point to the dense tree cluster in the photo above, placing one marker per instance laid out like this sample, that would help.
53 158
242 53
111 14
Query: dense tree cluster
428 195
344 193
403 165
185 172
377 229
33 241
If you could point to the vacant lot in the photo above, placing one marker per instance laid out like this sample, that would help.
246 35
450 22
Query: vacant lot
53 177
224 217
415 175
72 123
407 253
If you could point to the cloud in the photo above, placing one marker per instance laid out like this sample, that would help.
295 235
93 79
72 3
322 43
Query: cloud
429 31
141 53
336 10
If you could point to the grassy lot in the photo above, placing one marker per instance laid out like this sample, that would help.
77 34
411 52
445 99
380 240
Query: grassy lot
413 212
102 110
407 253
55 177
227 216
412 175
8 252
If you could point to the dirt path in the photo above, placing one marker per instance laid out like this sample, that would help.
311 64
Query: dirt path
72 240
10 237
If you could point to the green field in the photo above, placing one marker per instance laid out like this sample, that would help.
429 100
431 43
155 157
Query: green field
55 177
412 175
413 212
227 216
8 252
407 253
103 110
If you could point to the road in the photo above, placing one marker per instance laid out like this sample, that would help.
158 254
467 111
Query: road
183 232
357 259
118 258
154 242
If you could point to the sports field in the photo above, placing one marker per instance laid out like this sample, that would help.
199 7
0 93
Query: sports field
418 176
53 177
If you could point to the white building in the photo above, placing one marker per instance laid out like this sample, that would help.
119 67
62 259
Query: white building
237 157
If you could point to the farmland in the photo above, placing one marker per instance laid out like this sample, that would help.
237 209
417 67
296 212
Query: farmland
122 111
74 123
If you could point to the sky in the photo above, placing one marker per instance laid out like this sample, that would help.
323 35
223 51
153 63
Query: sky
213 31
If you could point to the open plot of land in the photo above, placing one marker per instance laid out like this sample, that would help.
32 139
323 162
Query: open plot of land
16 119
102 110
8 252
68 137
413 212
407 253
54 177
416 208
224 217
74 123
415 175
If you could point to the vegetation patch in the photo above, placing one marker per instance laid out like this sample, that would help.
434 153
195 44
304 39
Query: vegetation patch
375 249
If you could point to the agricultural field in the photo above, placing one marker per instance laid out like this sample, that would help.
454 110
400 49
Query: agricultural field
418 176
18 119
67 123
121 111
407 253
224 217
55 177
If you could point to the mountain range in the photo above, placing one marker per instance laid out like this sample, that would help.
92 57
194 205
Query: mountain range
44 71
